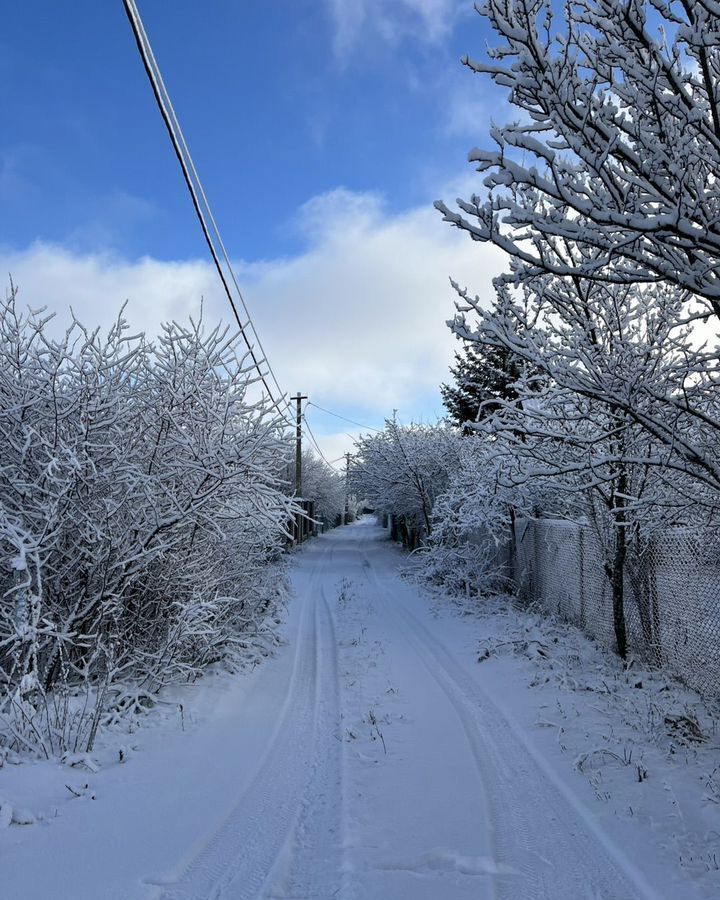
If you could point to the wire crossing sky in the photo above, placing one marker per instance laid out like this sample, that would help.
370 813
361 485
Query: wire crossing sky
322 132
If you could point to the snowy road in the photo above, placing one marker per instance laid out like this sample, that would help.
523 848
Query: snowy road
371 759
390 773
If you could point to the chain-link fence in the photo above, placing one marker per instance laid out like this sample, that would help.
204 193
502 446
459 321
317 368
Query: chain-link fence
672 593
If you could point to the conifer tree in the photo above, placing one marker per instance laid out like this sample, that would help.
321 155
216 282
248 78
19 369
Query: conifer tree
482 373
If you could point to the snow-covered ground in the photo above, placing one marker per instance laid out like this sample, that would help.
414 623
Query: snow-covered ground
392 748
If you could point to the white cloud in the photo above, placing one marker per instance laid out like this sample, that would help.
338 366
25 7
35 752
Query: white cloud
95 285
357 320
391 20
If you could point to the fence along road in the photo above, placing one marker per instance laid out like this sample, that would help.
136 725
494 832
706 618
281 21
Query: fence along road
672 593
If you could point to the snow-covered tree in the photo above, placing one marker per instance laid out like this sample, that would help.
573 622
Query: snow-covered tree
603 192
620 372
610 172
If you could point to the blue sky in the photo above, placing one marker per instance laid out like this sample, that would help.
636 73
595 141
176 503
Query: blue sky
322 130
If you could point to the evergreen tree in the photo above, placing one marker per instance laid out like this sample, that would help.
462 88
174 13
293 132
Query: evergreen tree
482 372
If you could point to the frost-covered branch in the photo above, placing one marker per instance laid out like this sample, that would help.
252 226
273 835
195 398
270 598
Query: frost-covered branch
610 172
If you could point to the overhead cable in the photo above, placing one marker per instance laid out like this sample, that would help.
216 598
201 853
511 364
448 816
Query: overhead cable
201 206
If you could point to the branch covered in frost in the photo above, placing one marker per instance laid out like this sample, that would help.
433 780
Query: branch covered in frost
610 171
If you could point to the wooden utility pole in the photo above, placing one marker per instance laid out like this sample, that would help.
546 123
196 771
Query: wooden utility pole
347 487
298 398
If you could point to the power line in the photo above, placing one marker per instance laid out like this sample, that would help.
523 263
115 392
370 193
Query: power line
344 418
208 224
200 202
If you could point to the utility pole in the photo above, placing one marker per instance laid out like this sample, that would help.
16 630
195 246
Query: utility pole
298 398
347 487
298 457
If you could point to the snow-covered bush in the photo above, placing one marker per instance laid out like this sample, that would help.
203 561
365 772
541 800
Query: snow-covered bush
140 514
468 549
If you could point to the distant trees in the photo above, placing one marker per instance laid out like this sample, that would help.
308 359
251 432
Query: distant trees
402 470
141 510
321 484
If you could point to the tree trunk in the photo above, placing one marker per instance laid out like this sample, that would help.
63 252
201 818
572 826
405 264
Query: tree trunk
617 577
618 590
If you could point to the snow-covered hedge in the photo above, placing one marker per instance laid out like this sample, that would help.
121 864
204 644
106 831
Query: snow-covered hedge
140 515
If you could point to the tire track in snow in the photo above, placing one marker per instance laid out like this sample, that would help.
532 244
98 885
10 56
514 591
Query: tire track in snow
237 861
539 828
424 827
311 866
